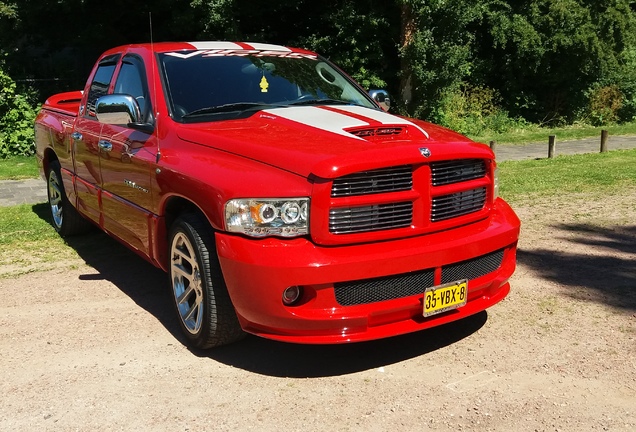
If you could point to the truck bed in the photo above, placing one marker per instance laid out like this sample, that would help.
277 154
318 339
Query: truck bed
65 103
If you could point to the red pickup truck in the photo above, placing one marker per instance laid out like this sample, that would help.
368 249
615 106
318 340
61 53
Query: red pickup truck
281 199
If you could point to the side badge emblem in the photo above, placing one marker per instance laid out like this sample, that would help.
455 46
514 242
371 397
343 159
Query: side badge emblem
425 152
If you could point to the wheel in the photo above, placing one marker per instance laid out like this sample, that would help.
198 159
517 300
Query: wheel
66 219
203 305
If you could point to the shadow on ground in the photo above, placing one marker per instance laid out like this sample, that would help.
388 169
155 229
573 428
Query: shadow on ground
312 361
606 276
148 287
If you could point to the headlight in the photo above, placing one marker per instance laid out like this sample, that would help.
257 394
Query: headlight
285 217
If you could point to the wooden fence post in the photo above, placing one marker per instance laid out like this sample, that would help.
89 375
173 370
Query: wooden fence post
551 145
493 145
604 135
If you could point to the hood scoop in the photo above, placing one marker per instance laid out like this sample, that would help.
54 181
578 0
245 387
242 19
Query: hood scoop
381 133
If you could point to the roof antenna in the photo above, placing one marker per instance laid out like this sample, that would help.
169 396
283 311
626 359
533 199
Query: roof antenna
153 66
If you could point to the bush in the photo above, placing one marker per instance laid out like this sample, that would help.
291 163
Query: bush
474 111
604 104
17 115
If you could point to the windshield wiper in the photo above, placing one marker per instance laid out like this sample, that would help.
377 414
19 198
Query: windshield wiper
240 106
321 102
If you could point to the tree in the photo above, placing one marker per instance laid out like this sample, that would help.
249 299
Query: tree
544 56
436 47
16 112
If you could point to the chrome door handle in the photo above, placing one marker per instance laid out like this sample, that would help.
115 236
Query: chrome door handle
105 145
76 136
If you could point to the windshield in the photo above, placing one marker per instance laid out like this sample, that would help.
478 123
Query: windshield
203 87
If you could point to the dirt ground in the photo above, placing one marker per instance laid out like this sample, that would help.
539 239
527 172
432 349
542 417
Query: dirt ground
93 346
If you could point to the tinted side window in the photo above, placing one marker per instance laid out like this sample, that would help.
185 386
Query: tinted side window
131 80
101 81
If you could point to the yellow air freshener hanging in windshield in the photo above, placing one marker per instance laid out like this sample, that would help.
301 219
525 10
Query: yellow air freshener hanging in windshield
264 84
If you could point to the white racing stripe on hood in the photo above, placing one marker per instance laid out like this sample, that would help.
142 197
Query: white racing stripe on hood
319 118
380 116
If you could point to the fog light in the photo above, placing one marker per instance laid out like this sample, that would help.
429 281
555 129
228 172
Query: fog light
291 295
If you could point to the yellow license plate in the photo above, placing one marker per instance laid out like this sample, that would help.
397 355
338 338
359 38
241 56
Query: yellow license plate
445 297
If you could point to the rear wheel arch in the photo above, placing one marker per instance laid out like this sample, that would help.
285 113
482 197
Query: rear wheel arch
49 157
65 218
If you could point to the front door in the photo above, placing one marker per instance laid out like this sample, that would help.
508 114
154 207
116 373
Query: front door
127 161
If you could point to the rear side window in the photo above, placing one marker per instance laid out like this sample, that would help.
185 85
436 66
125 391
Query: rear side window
101 82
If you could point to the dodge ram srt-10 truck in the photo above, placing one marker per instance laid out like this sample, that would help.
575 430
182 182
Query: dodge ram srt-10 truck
279 196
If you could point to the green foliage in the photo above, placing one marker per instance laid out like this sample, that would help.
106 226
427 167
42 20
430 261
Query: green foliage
549 62
474 111
351 40
436 52
544 56
604 104
7 10
16 120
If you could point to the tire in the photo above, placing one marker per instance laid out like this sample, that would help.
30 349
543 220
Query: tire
65 218
205 311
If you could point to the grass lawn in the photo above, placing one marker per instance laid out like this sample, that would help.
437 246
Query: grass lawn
19 167
593 173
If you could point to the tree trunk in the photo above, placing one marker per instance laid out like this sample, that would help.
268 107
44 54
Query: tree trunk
407 33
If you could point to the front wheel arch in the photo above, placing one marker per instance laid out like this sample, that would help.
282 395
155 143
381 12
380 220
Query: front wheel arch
202 303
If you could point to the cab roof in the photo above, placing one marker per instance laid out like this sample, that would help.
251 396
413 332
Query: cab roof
221 46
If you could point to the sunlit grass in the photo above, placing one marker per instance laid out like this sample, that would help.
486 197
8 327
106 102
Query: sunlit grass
29 242
18 167
588 173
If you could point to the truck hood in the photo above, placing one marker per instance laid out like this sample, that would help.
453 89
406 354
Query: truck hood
331 141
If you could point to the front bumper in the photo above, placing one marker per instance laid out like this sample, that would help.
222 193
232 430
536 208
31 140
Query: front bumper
258 271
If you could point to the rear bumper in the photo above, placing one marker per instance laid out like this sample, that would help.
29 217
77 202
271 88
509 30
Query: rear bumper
258 271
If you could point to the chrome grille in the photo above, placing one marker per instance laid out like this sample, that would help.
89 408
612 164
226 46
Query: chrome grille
458 204
381 289
473 268
455 171
372 182
347 220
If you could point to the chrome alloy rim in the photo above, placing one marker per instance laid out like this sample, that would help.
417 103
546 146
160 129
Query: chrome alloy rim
187 286
55 199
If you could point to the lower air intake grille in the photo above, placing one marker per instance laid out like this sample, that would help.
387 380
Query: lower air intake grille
458 204
388 288
473 268
349 220
405 285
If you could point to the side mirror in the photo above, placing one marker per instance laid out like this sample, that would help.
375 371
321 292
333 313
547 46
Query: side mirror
381 97
121 109
117 109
